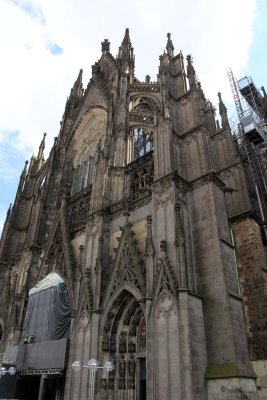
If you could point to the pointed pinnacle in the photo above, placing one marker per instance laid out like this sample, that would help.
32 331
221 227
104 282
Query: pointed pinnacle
42 146
169 46
80 75
25 166
189 59
79 78
9 210
126 38
222 108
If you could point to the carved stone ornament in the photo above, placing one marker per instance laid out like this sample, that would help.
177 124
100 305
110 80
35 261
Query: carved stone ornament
142 339
104 383
122 367
122 344
111 382
122 384
105 344
112 345
131 347
164 198
131 367
84 321
166 307
108 321
131 383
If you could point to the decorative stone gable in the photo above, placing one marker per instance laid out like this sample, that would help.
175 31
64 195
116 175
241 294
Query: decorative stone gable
128 265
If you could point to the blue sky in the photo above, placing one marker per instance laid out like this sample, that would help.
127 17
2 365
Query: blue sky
44 43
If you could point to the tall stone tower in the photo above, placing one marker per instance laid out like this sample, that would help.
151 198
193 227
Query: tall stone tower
132 210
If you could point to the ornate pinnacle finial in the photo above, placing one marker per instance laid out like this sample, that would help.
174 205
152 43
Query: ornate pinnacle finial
147 79
191 74
9 210
77 89
189 59
169 46
105 46
223 112
126 38
263 91
24 171
79 79
126 55
42 146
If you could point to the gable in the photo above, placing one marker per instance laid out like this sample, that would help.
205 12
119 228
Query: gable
128 267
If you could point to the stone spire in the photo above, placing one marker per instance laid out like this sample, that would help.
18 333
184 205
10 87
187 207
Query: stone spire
75 96
191 74
77 90
169 46
9 210
126 45
223 113
126 56
41 147
23 176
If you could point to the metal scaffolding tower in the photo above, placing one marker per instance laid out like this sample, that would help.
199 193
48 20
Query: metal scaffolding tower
252 138
252 95
235 93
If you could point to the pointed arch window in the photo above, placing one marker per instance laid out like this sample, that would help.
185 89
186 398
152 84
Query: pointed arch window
82 176
142 139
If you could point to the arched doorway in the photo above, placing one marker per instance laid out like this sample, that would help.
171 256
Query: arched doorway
124 343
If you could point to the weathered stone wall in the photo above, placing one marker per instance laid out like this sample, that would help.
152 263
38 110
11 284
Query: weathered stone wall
253 281
232 389
260 367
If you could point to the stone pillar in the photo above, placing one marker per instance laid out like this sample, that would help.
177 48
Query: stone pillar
41 395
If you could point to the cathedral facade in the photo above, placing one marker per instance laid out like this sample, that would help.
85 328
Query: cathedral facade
140 209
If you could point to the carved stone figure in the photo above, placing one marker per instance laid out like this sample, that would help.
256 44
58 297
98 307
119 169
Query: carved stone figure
131 367
122 367
131 347
105 344
122 344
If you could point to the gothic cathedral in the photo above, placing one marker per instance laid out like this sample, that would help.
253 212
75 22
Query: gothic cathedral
121 246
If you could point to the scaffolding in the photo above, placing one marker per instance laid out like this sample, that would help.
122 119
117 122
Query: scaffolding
252 96
237 99
252 137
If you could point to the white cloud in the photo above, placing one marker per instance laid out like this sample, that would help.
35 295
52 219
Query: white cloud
10 152
30 9
44 44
